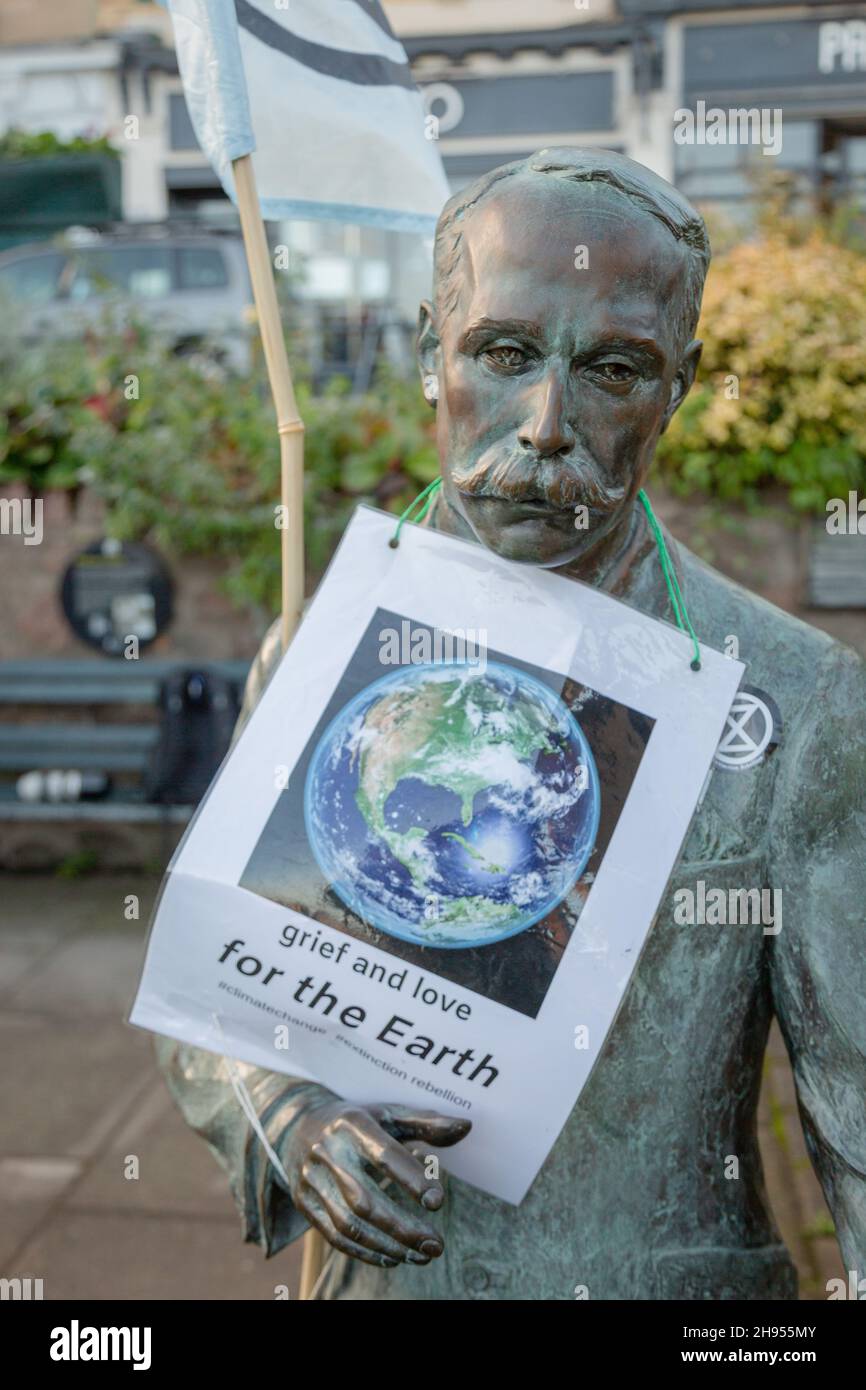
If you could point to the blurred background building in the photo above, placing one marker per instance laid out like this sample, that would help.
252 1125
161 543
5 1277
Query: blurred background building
598 72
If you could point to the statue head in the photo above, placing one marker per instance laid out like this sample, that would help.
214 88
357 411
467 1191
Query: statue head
558 345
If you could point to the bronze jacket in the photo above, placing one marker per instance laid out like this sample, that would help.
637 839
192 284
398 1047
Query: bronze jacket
637 1199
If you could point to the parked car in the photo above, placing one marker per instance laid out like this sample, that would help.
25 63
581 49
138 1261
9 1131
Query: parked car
190 286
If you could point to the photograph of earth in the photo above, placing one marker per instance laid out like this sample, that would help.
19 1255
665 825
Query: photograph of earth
453 813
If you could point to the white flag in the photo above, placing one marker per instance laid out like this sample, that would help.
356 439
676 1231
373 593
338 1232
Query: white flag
322 93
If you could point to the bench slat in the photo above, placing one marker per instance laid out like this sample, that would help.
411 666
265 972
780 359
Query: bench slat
89 747
107 747
96 683
140 812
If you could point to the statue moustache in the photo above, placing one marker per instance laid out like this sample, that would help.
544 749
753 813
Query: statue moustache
526 477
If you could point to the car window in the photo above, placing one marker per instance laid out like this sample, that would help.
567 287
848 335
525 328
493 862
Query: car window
32 279
141 272
201 268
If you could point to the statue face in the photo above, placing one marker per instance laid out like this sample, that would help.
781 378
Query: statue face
558 367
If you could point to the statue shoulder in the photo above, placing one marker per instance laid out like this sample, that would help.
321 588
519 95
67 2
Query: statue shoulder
817 684
782 654
826 774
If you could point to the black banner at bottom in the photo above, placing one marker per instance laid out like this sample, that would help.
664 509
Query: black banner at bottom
65 1338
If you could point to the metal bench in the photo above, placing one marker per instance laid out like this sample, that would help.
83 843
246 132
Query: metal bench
91 744
837 569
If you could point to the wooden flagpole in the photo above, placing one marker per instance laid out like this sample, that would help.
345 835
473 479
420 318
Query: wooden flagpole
291 431
289 424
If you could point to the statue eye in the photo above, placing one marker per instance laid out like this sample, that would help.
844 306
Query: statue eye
617 373
506 356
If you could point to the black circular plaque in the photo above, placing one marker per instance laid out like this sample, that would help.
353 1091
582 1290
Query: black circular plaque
115 590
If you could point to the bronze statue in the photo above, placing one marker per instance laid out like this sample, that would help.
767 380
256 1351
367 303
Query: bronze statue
559 344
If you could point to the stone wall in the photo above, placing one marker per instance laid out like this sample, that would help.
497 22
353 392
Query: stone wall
32 624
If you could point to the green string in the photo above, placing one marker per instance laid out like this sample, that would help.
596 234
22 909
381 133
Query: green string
677 601
425 498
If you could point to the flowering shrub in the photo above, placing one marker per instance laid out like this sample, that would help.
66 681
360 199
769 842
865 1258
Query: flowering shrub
781 390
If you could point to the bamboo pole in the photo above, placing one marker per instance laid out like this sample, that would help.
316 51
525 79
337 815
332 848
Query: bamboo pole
289 424
312 1261
291 431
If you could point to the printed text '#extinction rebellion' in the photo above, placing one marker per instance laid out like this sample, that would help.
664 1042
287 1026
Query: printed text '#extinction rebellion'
319 996
442 1092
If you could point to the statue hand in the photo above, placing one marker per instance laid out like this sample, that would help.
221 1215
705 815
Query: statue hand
336 1156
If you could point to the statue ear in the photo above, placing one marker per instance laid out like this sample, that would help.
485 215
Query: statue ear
682 382
427 347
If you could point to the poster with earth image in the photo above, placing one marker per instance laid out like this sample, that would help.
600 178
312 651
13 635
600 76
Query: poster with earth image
452 812
428 867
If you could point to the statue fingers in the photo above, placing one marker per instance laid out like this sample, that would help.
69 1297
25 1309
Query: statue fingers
318 1217
404 1122
420 1150
348 1232
389 1157
374 1207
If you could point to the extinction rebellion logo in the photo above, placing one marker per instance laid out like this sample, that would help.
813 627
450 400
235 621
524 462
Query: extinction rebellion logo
752 727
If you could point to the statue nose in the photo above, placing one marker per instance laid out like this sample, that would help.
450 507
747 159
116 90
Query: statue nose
547 432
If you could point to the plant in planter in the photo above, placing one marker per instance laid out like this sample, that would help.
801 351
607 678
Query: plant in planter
192 460
45 395
781 391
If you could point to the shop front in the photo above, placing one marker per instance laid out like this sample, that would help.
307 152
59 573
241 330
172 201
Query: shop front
801 79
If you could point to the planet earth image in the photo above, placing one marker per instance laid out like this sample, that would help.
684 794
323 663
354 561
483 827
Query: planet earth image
453 805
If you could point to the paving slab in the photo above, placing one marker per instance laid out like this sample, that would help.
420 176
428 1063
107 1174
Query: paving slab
94 973
19 1221
40 903
29 1188
64 1083
16 963
90 1255
25 937
176 1170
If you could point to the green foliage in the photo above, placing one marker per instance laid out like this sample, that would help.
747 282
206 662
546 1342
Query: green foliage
43 400
78 865
188 456
781 391
23 144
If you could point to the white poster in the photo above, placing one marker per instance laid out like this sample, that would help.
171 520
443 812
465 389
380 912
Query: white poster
426 871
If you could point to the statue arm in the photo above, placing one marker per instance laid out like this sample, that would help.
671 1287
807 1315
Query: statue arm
202 1088
818 959
201 1085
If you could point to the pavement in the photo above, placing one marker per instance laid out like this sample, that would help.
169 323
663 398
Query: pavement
105 1193
81 1096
